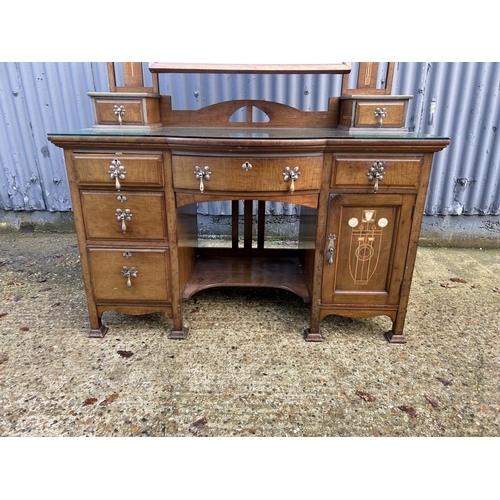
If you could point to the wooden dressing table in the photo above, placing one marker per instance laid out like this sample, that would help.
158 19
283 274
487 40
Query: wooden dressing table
359 177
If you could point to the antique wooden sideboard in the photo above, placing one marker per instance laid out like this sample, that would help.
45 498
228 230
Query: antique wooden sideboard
359 177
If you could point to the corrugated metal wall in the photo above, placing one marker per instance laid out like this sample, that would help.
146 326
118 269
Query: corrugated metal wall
37 98
459 100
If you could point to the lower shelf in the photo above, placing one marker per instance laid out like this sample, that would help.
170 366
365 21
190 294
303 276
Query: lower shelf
275 272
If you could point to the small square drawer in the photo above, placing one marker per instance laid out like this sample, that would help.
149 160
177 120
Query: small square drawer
130 275
376 173
136 110
124 216
380 114
119 171
116 112
258 174
373 113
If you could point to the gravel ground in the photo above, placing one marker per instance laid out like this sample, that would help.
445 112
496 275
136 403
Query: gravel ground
245 369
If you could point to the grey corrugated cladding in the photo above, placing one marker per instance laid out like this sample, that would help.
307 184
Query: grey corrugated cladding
458 99
37 98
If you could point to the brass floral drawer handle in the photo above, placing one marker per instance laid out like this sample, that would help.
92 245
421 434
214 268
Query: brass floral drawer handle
129 273
122 216
291 174
117 171
119 112
380 113
376 173
330 251
202 174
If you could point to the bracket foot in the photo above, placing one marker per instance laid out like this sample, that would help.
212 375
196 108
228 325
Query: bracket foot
178 334
312 337
98 333
395 339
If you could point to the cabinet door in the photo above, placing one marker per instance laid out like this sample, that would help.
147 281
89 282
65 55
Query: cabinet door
365 249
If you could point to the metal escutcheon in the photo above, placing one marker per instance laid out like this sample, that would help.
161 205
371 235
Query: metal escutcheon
330 251
202 174
117 171
122 216
129 273
119 112
380 113
376 173
290 174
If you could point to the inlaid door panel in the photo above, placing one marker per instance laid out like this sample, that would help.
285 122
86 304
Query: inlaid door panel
365 249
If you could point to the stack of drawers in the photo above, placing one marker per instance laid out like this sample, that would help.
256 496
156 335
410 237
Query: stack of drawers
121 213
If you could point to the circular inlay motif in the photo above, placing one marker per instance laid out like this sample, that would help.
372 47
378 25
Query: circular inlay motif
364 252
383 222
353 222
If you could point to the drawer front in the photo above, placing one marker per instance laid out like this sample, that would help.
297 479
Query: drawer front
148 280
247 174
367 115
132 111
351 172
124 216
126 169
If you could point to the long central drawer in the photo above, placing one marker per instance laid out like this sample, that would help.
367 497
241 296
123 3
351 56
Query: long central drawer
257 174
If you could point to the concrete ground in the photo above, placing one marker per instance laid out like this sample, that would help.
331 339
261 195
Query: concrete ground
245 369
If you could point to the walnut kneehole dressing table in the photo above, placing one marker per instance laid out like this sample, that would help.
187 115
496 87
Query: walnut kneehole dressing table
361 186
